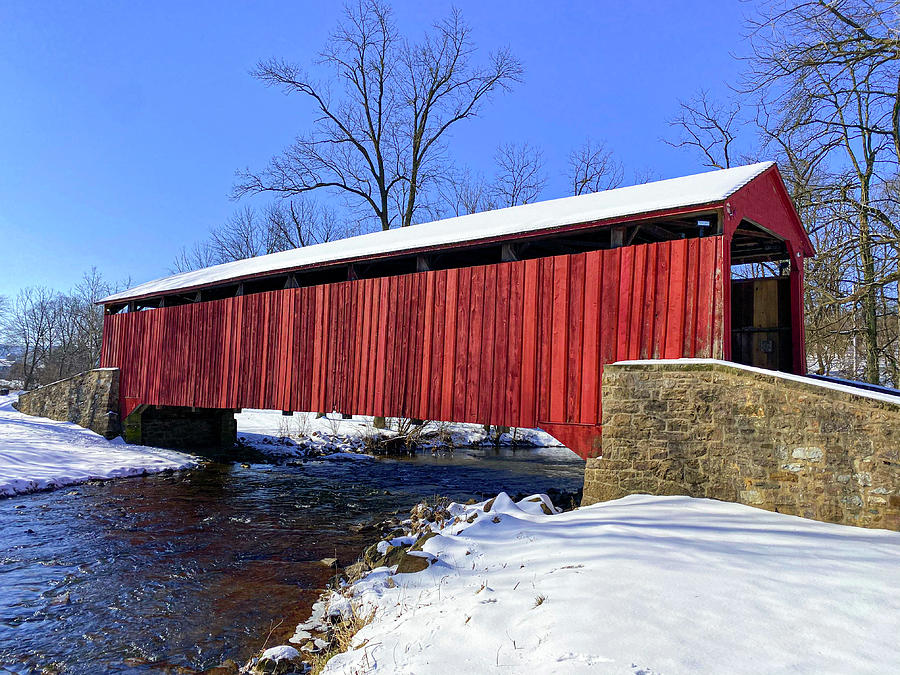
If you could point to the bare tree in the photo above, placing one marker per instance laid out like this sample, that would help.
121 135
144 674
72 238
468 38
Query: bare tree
245 234
59 334
31 326
248 233
198 256
827 72
378 141
88 316
593 168
709 127
296 223
520 176
466 193
823 78
645 175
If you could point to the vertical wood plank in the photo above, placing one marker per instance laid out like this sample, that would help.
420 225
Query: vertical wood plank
559 339
545 338
676 303
484 386
530 332
451 312
515 365
638 301
575 349
473 352
590 362
661 299
463 332
626 287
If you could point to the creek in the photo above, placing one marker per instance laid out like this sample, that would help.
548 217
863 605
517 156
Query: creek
179 572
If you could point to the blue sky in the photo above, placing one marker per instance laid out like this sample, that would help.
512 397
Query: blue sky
122 124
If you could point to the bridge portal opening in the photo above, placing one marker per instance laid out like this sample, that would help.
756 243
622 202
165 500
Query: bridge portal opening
761 311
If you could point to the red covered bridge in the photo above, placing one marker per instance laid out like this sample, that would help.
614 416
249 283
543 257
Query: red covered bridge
504 317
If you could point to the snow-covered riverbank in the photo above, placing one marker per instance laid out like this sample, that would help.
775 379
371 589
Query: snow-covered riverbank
37 454
643 584
303 434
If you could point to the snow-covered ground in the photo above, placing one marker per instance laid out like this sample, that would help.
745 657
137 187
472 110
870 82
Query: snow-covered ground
649 585
37 453
302 434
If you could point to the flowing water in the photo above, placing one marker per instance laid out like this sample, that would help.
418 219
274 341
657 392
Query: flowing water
179 572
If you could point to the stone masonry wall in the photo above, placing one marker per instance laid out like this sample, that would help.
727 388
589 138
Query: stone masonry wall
721 431
90 399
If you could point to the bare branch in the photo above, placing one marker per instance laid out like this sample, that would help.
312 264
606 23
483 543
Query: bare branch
592 168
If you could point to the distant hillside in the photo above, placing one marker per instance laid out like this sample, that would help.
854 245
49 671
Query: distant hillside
10 352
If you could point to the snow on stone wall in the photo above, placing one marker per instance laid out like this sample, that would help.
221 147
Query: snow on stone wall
782 443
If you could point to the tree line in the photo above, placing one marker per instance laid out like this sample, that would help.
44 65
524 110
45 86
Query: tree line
56 334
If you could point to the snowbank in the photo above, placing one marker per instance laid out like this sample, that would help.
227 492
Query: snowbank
638 585
37 453
330 437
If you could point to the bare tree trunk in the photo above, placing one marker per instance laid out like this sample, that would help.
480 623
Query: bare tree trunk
869 300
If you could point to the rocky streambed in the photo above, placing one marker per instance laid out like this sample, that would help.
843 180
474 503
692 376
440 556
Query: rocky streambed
398 544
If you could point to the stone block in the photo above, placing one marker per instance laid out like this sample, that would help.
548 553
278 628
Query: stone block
811 454
783 476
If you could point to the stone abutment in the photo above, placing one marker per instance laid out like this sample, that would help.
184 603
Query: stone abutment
774 441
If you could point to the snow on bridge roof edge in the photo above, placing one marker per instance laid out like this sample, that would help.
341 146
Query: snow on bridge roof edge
693 190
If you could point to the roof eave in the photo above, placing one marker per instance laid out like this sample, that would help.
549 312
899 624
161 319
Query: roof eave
535 234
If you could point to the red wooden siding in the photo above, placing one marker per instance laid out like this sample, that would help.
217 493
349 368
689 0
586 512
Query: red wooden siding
518 344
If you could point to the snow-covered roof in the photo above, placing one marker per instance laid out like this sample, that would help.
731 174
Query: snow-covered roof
699 189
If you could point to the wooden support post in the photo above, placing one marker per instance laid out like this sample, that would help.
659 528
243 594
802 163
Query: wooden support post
798 328
291 281
634 233
239 291
423 264
509 252
352 273
617 237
